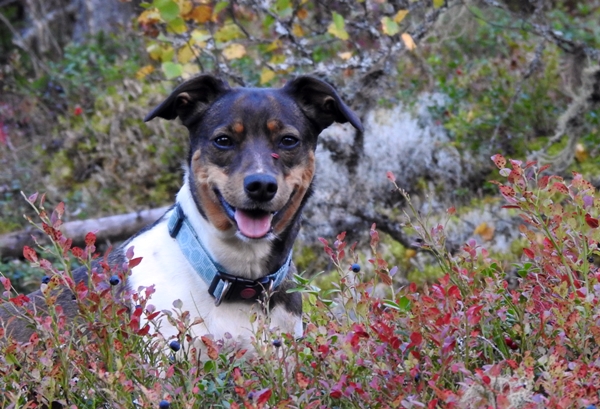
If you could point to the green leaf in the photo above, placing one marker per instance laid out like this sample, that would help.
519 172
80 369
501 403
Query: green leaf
171 71
438 3
404 304
168 9
210 366
222 5
177 26
389 26
337 27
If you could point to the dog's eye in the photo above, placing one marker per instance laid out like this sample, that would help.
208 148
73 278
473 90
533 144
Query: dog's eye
289 141
223 142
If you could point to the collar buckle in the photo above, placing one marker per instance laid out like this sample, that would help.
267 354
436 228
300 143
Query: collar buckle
238 289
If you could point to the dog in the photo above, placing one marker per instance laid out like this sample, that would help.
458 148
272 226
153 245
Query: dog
227 242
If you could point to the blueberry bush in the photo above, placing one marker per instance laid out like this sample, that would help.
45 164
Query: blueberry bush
484 335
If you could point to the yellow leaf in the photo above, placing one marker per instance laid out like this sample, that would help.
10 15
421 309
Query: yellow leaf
438 3
470 116
144 72
201 14
199 37
410 253
185 54
400 16
189 70
277 59
233 51
185 6
581 153
227 33
346 55
485 231
266 75
297 30
337 27
408 41
150 16
274 45
302 13
162 52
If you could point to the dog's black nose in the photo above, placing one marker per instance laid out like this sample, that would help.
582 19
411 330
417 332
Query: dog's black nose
260 187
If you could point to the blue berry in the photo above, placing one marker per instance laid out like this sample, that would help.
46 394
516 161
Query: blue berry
277 343
175 345
45 279
164 404
355 267
114 280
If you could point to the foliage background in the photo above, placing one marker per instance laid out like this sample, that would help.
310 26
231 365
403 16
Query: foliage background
511 78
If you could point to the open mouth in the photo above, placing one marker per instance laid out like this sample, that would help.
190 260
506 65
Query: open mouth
252 223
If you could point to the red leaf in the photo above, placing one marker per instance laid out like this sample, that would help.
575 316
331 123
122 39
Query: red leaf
153 315
454 291
592 222
529 253
30 254
391 176
77 252
263 397
416 338
499 161
336 394
473 314
543 182
19 300
560 187
3 135
302 380
507 190
144 331
90 239
6 283
543 168
433 404
134 262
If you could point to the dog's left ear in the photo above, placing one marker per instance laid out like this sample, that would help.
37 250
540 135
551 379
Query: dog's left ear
190 99
320 102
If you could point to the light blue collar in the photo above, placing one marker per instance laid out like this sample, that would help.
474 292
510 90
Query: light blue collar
222 286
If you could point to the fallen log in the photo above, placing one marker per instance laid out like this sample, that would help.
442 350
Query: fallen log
107 229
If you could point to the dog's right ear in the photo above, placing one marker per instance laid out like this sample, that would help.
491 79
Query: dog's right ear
190 98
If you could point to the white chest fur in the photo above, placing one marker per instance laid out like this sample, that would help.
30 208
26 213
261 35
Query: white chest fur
165 266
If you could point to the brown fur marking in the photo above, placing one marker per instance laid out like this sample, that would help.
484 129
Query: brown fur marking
273 125
206 177
238 127
300 178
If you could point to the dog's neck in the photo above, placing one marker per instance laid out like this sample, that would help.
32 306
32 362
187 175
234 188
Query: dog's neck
241 257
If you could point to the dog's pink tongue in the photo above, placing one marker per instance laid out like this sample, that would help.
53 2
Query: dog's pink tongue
251 225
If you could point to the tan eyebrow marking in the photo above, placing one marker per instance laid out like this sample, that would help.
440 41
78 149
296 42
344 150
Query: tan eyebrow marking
273 125
238 127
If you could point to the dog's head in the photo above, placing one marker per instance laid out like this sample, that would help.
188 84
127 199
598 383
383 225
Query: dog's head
251 156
